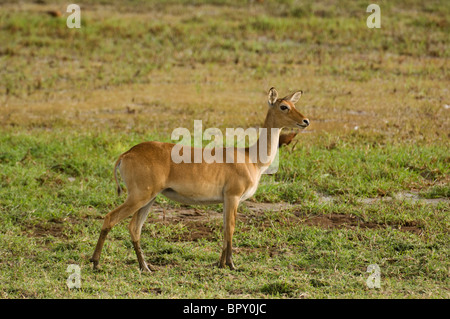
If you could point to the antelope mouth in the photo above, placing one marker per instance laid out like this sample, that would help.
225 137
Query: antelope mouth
303 126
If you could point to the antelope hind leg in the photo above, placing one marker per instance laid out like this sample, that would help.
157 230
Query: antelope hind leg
135 228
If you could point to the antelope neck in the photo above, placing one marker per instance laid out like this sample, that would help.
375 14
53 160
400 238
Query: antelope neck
268 143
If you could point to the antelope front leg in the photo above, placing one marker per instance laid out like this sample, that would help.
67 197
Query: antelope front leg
229 222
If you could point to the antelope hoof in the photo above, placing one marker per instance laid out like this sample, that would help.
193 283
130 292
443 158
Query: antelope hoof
231 265
94 264
147 268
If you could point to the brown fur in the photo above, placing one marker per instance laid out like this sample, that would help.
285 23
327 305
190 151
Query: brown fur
148 170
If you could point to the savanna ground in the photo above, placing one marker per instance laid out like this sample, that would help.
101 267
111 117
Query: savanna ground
366 183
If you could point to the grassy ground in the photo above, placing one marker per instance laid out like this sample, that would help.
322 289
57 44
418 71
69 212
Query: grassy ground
367 183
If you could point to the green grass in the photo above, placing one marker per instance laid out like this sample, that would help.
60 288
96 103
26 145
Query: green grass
93 56
52 208
368 182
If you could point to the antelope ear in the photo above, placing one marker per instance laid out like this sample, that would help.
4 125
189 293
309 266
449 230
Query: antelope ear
294 97
273 96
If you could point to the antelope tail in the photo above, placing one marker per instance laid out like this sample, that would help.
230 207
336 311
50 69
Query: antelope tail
119 189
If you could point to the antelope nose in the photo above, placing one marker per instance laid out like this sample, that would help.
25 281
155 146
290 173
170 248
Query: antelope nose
306 122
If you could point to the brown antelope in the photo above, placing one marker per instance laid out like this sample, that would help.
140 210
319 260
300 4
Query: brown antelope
147 170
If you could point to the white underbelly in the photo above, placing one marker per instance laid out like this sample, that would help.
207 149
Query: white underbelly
192 199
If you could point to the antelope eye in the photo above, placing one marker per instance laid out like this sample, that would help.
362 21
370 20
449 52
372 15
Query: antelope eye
283 107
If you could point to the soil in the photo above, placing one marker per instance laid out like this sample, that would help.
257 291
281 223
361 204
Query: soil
53 228
350 221
204 223
200 225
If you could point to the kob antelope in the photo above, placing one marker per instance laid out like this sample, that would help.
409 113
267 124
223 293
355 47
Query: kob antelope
148 170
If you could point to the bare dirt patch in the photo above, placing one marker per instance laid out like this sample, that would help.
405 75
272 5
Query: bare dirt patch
182 213
196 230
46 229
54 227
199 223
331 221
196 221
203 223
